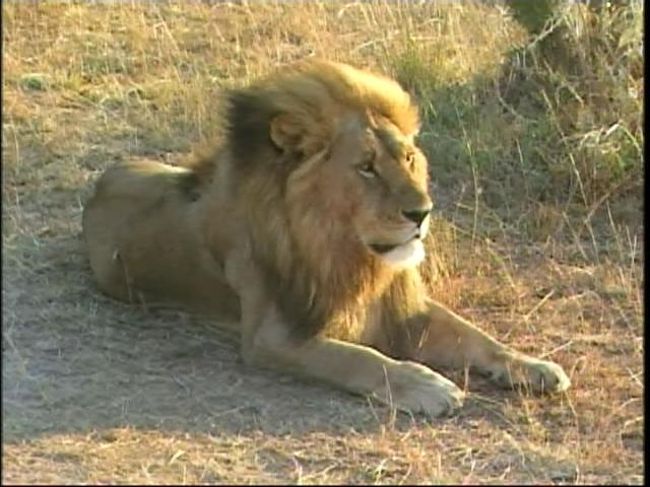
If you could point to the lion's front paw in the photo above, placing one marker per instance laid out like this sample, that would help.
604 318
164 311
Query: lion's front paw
539 375
415 388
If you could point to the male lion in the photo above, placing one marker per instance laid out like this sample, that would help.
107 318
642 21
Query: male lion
305 228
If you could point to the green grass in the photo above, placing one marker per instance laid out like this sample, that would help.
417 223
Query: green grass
533 130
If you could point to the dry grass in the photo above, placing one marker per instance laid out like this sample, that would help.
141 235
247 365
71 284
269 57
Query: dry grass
97 391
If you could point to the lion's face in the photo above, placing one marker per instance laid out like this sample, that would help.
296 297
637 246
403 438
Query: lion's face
374 180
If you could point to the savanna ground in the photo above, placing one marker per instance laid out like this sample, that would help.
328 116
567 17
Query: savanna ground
537 171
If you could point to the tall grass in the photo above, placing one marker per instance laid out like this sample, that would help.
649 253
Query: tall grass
557 130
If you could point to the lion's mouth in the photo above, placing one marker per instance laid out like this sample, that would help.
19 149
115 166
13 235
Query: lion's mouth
381 248
401 255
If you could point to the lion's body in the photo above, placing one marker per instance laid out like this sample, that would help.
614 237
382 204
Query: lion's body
303 231
143 242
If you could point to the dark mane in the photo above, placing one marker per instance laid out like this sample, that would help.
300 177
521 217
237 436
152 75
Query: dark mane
311 289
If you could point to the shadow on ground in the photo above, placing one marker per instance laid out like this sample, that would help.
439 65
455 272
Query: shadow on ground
76 361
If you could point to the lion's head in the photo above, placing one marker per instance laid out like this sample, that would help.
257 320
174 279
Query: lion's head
334 185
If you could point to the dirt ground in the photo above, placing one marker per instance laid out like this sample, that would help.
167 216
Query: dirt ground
96 391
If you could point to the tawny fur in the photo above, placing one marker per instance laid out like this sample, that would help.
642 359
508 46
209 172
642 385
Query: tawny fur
297 230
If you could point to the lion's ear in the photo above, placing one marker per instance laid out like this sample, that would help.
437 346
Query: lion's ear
287 132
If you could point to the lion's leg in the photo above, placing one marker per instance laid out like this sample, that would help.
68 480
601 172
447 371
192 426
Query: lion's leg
265 342
406 385
446 339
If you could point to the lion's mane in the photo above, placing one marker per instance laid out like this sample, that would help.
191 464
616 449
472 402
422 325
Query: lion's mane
315 275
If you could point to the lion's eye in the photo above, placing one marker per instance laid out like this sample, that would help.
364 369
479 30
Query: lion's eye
367 168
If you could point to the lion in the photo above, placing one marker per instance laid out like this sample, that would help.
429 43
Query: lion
304 230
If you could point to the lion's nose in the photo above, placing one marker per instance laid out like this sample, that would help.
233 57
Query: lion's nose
417 216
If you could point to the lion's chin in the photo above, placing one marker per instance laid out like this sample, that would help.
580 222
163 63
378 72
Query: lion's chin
406 255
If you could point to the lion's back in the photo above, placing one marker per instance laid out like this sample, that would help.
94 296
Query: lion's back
139 231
